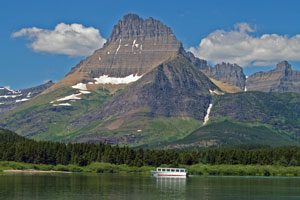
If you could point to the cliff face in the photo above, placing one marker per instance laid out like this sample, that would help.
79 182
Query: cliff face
281 79
229 73
135 46
225 72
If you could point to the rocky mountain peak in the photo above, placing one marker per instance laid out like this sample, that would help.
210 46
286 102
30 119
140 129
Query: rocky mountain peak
132 27
281 79
283 66
135 47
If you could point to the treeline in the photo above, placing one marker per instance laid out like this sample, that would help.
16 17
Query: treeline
16 148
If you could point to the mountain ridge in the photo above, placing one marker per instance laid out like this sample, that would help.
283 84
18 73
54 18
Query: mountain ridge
10 99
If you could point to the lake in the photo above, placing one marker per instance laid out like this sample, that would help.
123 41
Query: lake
116 186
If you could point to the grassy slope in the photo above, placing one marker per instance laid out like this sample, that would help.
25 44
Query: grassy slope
141 130
227 133
39 116
278 110
276 129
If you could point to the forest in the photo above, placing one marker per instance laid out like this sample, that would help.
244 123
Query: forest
16 148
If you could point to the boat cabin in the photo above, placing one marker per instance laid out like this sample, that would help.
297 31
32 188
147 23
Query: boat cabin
171 169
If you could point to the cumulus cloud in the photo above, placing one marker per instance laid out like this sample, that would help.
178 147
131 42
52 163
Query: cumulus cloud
240 47
72 40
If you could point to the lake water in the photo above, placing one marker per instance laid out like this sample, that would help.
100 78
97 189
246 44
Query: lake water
107 186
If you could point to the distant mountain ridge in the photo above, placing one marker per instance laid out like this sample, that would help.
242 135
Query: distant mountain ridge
225 72
281 79
10 99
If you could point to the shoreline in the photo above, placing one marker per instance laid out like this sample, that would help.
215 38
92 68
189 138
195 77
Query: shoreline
33 171
196 169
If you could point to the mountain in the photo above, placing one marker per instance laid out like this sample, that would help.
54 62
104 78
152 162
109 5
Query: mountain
143 89
134 90
134 48
174 89
225 74
281 79
10 99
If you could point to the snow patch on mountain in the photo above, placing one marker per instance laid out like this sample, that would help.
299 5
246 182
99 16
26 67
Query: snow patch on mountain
119 46
10 96
62 104
84 92
70 97
105 79
21 100
80 86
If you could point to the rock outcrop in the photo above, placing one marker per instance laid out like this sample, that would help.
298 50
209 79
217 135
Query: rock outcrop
281 79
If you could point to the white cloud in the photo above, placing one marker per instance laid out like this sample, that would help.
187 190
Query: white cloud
72 40
240 47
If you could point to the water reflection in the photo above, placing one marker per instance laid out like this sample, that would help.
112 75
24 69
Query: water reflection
172 188
171 184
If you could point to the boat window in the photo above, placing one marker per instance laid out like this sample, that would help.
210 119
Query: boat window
159 170
177 170
168 170
181 170
172 170
163 170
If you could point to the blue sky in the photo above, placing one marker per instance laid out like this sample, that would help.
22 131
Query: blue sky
24 66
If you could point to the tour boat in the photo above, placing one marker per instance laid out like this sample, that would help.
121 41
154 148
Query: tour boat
170 172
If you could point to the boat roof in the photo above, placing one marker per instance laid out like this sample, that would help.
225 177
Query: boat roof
170 168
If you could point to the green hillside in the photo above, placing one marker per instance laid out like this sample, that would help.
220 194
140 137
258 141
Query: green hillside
281 111
39 119
227 133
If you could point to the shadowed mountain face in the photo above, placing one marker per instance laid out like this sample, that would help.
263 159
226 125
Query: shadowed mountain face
281 79
175 88
10 99
135 47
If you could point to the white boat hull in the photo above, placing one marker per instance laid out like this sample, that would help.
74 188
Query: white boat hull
170 174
